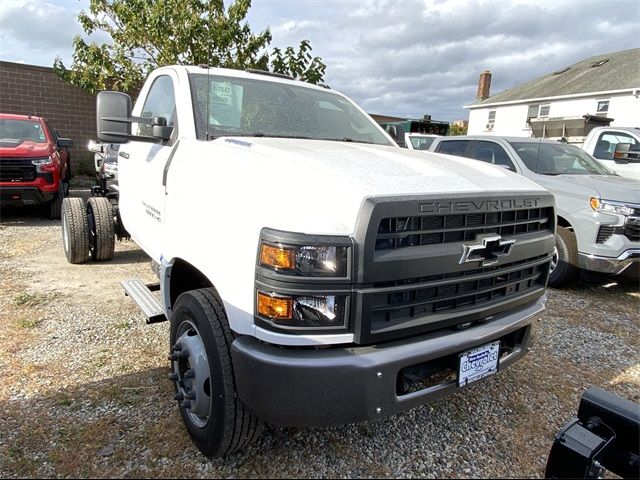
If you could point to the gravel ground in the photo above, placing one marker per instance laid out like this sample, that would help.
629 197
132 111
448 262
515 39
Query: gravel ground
84 390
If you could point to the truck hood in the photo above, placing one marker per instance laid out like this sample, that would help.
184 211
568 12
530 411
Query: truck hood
331 179
27 149
608 187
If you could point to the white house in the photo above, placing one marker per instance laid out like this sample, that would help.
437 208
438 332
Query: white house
604 86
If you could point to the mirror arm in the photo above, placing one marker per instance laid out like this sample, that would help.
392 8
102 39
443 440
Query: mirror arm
142 120
140 138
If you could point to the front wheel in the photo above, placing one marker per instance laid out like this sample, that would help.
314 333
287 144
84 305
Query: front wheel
563 269
216 419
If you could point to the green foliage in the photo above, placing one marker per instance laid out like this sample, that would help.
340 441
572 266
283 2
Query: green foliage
455 130
147 34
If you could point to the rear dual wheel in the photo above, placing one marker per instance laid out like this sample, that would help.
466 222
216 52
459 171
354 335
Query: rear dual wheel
102 233
88 231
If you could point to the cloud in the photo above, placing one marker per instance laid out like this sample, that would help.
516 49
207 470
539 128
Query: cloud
410 58
38 25
405 58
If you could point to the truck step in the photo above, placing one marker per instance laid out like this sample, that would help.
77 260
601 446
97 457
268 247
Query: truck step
146 301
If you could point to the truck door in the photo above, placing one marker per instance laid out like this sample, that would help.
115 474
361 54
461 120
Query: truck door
141 168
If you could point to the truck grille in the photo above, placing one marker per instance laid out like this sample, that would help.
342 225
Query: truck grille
411 273
400 232
401 302
631 230
17 170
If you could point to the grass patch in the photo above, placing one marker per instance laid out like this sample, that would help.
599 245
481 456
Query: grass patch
31 299
29 323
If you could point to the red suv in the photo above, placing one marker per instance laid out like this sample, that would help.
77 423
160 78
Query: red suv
34 163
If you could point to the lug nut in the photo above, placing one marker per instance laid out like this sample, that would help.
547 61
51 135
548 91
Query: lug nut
178 355
186 404
189 374
178 396
173 376
177 347
191 395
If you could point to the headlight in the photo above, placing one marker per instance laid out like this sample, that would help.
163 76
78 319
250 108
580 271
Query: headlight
305 261
609 206
303 311
39 162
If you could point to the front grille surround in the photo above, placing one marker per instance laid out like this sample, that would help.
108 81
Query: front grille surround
17 170
393 285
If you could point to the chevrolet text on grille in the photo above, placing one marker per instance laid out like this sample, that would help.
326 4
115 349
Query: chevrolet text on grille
474 205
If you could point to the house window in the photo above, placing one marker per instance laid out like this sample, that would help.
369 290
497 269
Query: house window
603 107
491 120
544 111
537 111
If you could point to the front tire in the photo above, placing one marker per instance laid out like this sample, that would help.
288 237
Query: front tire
564 268
55 207
216 419
75 230
101 228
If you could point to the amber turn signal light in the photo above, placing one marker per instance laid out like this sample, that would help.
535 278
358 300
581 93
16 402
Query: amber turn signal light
275 307
595 203
277 257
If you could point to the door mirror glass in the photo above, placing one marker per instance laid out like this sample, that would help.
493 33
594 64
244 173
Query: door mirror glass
113 112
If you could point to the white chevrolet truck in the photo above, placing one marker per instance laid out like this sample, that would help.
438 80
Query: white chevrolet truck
312 271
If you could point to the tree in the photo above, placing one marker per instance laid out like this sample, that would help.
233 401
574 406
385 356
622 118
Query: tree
457 129
146 34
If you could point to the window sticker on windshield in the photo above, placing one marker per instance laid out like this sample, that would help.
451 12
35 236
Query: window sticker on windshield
40 132
226 104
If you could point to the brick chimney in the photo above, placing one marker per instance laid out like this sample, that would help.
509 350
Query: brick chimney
484 85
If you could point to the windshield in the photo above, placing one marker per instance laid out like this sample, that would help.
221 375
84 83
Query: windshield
421 143
256 108
558 159
14 132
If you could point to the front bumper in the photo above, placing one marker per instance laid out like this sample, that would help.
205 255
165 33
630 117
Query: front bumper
316 387
609 265
22 196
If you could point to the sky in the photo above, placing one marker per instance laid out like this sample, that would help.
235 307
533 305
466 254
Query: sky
403 58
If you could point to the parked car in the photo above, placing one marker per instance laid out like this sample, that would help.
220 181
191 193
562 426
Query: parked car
34 163
617 148
598 211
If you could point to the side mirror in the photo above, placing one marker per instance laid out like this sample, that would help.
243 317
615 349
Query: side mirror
65 142
624 154
95 147
160 129
113 117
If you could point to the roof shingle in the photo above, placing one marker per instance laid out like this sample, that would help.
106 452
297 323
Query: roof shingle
620 71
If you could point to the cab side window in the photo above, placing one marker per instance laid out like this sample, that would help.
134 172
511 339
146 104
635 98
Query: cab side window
493 153
454 147
160 102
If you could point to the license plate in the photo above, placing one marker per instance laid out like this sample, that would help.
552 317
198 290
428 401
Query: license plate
478 363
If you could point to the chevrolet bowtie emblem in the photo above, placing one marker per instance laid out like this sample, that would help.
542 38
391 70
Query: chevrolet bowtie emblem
487 248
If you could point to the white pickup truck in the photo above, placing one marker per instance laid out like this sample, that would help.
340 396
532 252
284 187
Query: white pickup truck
617 148
312 271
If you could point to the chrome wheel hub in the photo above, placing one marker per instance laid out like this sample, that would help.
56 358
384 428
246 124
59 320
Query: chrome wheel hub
190 367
